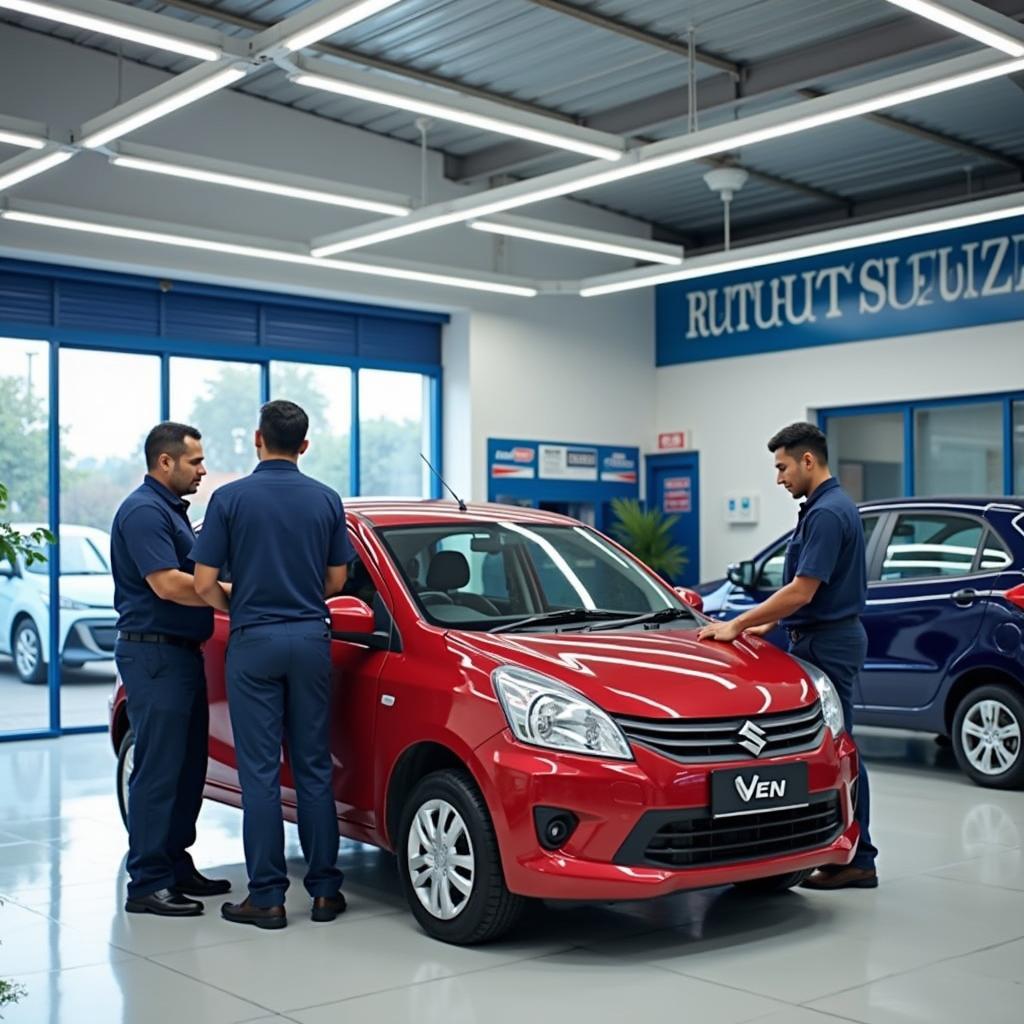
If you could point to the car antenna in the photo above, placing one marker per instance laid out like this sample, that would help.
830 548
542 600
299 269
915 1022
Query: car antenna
462 504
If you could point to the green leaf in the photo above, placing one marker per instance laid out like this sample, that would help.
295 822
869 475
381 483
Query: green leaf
647 533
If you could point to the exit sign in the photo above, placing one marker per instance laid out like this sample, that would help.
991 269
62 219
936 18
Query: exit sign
675 439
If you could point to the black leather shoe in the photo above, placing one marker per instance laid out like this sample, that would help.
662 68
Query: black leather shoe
327 908
197 885
246 913
846 878
166 903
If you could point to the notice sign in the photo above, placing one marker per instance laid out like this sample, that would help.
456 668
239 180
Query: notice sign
677 496
675 440
567 462
515 462
618 468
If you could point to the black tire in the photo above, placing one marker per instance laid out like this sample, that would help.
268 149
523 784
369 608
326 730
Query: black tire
26 633
489 909
773 883
969 749
125 756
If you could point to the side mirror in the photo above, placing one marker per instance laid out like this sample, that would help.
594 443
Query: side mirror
690 597
350 616
742 574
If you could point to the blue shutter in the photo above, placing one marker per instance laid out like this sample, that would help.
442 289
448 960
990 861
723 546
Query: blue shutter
202 318
405 341
312 330
25 298
107 308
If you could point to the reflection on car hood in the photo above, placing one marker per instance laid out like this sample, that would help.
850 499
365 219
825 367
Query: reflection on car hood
654 674
95 591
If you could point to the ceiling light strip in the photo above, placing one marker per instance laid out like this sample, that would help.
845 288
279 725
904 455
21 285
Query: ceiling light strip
114 25
968 19
114 230
578 238
335 21
28 165
17 139
809 114
268 183
796 248
172 95
486 116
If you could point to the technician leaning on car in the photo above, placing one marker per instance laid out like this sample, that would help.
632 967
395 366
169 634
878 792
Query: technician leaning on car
823 595
161 624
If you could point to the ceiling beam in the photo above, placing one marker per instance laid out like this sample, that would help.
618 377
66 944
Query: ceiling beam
672 45
785 73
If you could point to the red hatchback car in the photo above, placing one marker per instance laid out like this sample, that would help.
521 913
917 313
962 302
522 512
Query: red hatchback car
522 709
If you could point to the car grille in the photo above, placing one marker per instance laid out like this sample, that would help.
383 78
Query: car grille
104 636
718 739
699 840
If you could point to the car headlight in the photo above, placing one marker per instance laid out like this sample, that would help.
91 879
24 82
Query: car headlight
831 706
546 713
67 602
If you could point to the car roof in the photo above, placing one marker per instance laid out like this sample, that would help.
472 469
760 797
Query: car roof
68 529
1006 502
416 511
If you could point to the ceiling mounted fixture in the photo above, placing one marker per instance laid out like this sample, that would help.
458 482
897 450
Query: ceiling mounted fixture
446 105
581 238
726 181
16 131
325 19
171 95
28 165
818 244
48 216
258 179
122 22
836 107
973 20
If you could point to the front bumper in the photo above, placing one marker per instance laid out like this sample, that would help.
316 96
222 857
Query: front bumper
618 803
89 639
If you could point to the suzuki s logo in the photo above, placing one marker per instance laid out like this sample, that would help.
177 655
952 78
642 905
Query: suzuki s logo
758 790
753 738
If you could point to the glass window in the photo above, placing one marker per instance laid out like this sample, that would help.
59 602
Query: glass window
994 555
929 544
24 470
958 449
866 453
770 577
222 400
394 428
109 401
325 392
1018 447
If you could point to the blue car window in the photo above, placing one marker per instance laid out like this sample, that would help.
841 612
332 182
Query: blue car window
926 545
994 555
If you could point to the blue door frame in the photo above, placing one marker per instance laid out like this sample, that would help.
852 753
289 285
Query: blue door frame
673 487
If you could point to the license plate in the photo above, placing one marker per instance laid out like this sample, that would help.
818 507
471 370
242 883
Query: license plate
761 788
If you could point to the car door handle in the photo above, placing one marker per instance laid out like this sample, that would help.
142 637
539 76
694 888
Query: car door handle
964 598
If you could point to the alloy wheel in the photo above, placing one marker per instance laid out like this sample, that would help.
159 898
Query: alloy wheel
441 862
991 737
26 651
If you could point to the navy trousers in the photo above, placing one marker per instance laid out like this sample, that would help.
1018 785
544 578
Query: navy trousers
279 687
167 709
840 654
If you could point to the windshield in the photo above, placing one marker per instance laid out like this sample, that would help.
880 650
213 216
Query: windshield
485 575
78 557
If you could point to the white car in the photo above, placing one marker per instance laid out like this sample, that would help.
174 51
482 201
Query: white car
88 622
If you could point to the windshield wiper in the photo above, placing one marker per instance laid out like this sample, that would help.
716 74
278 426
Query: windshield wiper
556 617
662 615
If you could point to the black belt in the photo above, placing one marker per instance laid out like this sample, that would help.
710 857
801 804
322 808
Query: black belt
159 638
797 632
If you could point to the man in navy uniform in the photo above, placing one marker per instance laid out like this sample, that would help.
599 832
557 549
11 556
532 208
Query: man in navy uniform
161 625
820 603
284 538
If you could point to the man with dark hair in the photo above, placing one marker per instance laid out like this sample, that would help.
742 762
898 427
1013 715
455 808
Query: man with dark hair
284 536
161 625
823 595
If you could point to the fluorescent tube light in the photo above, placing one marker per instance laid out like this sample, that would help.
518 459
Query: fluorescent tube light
335 22
263 253
737 260
945 14
581 238
195 171
111 27
30 168
457 112
17 139
160 108
673 152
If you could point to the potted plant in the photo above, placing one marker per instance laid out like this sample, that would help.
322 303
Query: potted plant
647 533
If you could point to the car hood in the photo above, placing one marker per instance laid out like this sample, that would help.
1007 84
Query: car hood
653 673
95 591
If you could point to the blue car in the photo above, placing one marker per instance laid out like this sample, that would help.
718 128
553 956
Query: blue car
945 624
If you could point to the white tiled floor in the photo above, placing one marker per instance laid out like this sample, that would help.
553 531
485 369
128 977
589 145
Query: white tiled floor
941 940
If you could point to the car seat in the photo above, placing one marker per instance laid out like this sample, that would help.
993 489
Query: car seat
447 574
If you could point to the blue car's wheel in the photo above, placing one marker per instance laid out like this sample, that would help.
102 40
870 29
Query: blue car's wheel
988 736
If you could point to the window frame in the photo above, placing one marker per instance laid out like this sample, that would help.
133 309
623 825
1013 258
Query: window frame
882 545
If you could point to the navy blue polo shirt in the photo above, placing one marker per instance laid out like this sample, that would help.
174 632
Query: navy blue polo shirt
828 545
151 532
277 530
